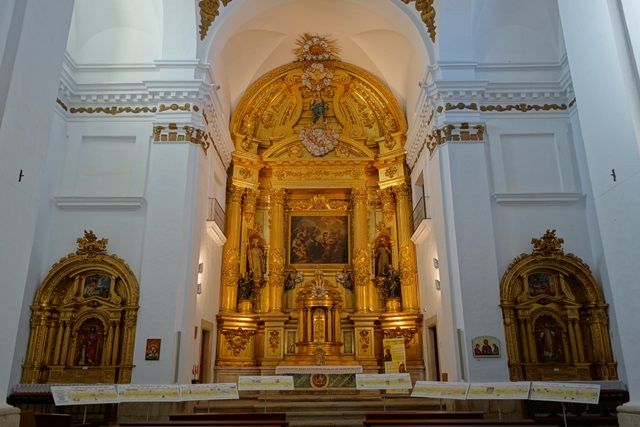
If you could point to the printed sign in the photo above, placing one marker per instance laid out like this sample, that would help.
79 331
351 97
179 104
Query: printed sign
512 390
84 395
383 381
149 393
565 392
221 391
278 382
440 390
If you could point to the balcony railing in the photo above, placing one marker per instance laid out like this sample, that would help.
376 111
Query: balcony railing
420 212
216 213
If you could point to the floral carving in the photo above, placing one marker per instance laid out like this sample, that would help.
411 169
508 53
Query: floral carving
361 267
365 340
391 171
548 244
274 340
230 267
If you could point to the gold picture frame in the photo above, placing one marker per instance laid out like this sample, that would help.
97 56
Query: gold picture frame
319 239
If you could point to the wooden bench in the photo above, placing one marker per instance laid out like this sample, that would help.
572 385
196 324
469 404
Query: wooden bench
433 419
230 416
426 415
207 423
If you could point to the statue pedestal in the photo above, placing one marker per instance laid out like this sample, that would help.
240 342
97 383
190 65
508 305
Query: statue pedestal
245 306
394 304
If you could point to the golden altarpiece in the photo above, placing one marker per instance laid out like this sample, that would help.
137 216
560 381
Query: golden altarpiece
318 196
83 320
555 317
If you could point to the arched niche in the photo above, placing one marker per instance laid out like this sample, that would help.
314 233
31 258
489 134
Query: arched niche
555 317
83 319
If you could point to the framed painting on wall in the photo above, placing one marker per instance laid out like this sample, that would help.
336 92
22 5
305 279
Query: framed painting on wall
319 239
485 346
152 351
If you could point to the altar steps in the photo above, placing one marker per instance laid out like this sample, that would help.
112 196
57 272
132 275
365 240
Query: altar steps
342 410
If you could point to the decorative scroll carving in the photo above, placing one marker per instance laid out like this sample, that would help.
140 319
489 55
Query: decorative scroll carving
112 110
391 172
231 267
208 12
407 266
448 133
361 267
317 173
276 268
90 246
360 196
548 244
176 107
318 202
171 133
398 332
235 194
237 339
427 14
524 107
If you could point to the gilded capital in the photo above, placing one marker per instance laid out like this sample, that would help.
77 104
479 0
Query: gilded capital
278 195
235 193
360 196
403 192
249 204
388 202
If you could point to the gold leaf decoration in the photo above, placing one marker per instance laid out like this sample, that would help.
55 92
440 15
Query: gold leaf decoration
113 110
237 339
548 244
427 14
90 246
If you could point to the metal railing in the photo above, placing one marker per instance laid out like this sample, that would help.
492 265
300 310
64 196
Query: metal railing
421 212
216 213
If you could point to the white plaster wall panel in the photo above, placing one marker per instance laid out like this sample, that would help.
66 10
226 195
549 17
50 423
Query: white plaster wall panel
117 31
530 163
124 162
105 166
165 258
515 31
444 306
532 156
24 143
478 283
631 12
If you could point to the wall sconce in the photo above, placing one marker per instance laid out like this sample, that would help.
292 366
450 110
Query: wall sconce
436 265
199 288
437 284
200 267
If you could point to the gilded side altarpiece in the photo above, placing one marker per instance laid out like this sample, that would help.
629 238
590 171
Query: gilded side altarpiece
83 320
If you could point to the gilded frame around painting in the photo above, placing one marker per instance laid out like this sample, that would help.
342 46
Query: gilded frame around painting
319 239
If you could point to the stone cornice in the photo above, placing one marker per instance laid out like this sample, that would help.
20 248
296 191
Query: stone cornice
185 101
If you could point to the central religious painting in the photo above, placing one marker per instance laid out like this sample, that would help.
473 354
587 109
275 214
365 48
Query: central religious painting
319 239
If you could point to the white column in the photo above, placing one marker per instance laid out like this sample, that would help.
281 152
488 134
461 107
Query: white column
25 127
606 86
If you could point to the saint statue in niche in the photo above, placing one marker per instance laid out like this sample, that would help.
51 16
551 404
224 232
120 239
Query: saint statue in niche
393 283
257 260
383 260
245 287
89 348
549 340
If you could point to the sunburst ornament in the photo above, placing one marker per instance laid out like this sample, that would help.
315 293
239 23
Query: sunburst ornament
313 47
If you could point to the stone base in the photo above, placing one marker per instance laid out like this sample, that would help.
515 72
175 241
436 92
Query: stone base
629 415
9 417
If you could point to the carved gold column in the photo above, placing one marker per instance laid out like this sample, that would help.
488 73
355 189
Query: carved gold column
407 253
363 288
276 253
231 255
249 206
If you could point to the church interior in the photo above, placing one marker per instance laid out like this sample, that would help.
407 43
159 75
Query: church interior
194 191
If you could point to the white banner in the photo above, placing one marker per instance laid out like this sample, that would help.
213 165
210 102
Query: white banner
440 390
149 393
84 395
221 391
383 381
258 383
565 392
511 390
